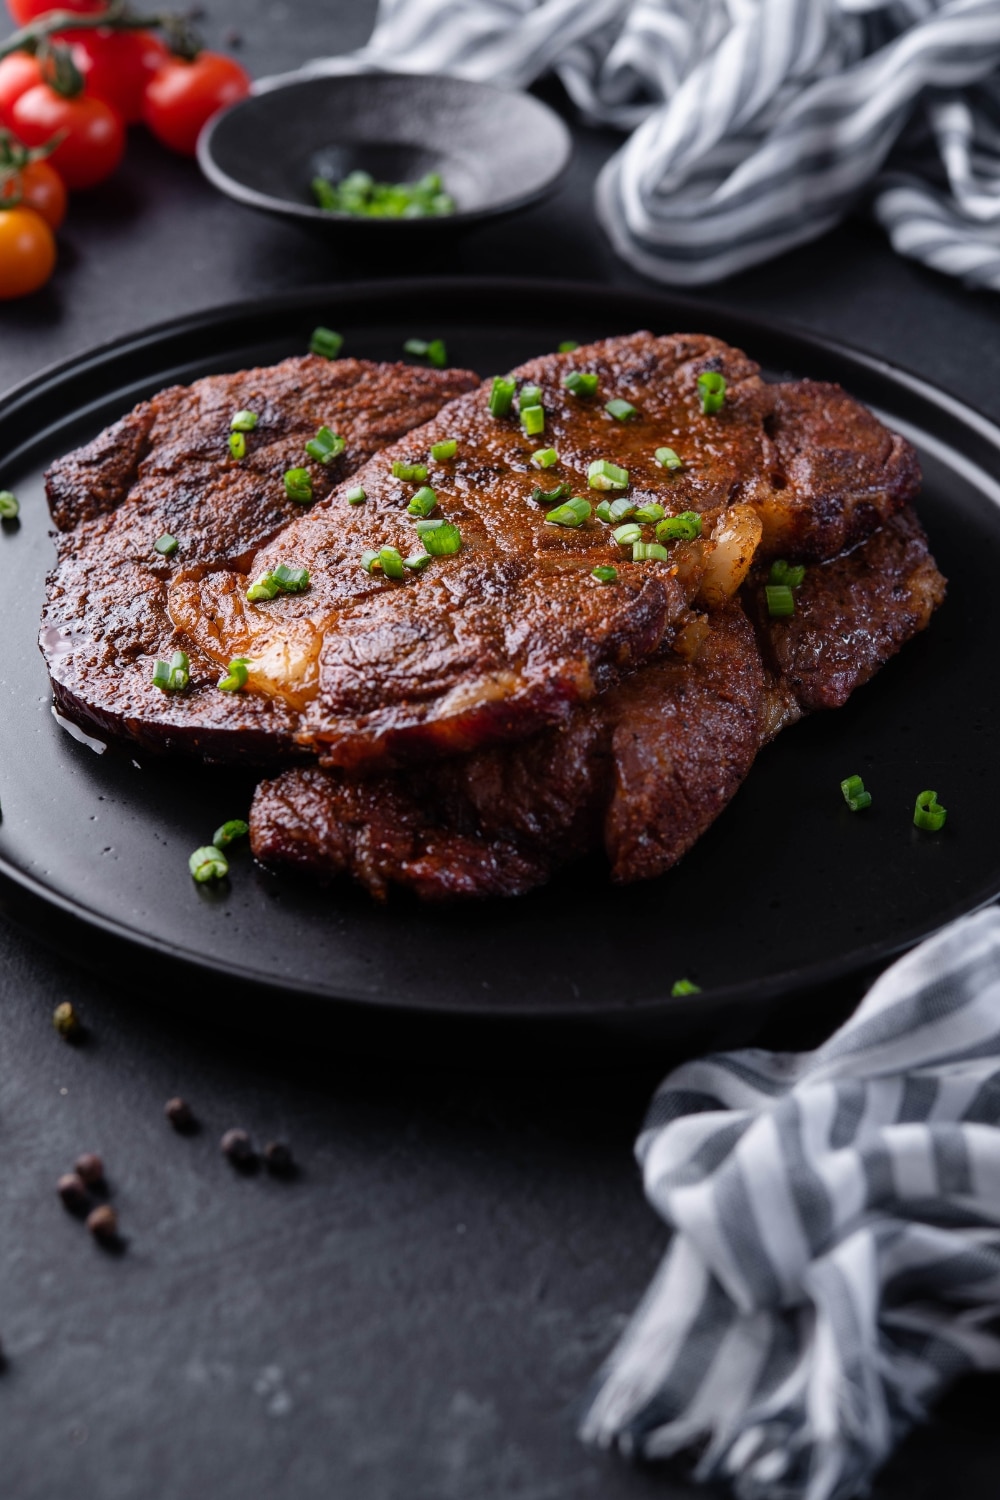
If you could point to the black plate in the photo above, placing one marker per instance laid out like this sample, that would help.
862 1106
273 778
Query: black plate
788 890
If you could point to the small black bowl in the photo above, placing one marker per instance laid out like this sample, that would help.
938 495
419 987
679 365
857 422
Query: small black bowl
497 151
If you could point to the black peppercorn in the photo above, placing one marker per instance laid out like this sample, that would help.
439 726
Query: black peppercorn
103 1224
66 1021
278 1159
73 1191
236 1144
180 1115
90 1167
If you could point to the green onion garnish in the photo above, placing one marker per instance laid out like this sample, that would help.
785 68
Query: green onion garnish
545 458
325 342
422 527
442 540
166 545
605 575
9 505
578 383
928 812
622 510
234 829
236 679
299 486
532 420
359 194
567 346
325 445
783 572
604 475
412 473
263 588
434 352
650 512
667 459
238 444
573 513
780 600
603 511
290 580
369 561
502 395
417 561
712 388
649 552
683 528
356 496
446 449
172 676
208 863
622 411
423 502
391 562
544 497
627 536
855 795
529 395
244 421
684 987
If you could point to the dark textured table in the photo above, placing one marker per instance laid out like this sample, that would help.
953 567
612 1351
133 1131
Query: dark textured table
418 1314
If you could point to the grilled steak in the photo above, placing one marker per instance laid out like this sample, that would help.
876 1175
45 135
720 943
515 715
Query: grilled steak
641 772
166 468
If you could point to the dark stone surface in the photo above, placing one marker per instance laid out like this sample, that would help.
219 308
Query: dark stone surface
418 1312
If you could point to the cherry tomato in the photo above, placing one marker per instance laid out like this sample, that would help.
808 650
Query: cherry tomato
94 134
18 74
27 252
40 187
117 65
24 11
183 95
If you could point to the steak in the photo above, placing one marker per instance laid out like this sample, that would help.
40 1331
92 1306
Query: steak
166 468
640 773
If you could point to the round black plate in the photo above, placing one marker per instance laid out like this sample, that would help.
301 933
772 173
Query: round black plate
788 890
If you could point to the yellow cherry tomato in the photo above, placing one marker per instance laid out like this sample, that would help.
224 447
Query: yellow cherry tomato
27 252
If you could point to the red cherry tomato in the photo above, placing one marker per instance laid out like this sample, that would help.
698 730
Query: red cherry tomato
18 74
40 187
27 252
183 95
94 136
24 11
117 65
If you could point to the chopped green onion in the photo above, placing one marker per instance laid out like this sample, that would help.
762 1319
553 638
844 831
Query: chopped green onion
299 486
627 536
172 676
545 458
290 580
573 513
356 496
578 383
359 194
855 795
622 510
928 812
238 444
369 561
783 572
391 562
603 511
650 512
780 600
712 389
434 352
417 561
543 497
236 679
605 575
683 528
532 420
667 459
244 421
567 346
166 545
649 552
263 588
9 505
622 411
502 395
208 863
234 829
529 395
423 502
684 987
412 473
604 475
442 540
421 527
446 449
325 445
325 342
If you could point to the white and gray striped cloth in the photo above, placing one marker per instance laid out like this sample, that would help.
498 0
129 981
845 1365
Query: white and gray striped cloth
835 1258
756 124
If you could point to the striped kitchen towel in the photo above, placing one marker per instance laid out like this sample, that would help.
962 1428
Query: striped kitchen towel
835 1257
756 124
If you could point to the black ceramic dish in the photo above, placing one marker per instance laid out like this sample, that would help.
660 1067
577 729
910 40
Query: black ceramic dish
787 891
497 151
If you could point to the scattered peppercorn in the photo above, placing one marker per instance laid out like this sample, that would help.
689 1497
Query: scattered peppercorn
66 1021
90 1167
237 1145
181 1115
103 1224
278 1159
73 1191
